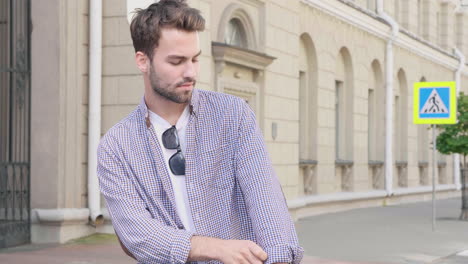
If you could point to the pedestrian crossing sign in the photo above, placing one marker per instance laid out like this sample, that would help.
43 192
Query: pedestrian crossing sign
435 103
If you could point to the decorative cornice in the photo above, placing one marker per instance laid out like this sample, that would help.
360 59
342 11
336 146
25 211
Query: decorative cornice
401 163
223 53
375 163
423 164
307 162
374 25
341 162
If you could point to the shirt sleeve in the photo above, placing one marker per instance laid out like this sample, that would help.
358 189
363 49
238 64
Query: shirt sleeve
149 240
273 227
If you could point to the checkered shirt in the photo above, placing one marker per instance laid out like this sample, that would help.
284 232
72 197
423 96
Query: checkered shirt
232 188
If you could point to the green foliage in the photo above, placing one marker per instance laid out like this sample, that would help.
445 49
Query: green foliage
454 138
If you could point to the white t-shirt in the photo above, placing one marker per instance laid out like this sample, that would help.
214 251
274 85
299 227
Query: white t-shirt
178 181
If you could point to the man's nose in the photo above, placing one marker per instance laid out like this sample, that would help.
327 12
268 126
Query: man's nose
190 70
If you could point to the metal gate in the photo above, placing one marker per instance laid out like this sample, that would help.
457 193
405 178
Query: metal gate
15 94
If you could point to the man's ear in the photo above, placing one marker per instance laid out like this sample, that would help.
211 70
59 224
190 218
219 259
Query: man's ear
142 61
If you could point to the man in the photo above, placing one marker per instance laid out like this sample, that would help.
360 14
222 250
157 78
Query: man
186 176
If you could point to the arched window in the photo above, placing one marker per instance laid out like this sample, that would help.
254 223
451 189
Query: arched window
308 114
423 151
237 27
344 94
235 34
236 40
376 112
376 125
401 129
401 117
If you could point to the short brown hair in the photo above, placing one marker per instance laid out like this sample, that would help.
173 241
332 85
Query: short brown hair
147 23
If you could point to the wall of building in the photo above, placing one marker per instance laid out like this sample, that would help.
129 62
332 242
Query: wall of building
59 64
316 46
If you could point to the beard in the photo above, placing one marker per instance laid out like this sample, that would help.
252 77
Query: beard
169 91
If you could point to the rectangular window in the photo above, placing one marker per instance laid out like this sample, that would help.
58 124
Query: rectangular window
457 30
438 29
371 5
419 20
397 11
303 110
398 129
338 119
371 125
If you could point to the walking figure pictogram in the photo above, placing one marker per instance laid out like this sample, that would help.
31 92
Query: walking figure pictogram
434 104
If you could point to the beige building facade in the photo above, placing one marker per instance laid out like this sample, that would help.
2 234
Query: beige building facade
323 77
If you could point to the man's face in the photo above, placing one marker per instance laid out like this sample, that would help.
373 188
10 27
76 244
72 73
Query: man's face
174 68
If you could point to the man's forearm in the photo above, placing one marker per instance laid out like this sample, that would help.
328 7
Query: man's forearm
208 248
202 248
226 251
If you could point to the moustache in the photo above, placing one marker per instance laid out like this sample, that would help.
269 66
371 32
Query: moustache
187 81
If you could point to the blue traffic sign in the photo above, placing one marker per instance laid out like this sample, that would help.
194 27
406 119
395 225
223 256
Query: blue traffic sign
434 103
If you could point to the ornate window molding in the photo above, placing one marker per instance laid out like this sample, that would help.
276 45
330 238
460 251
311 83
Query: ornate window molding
234 13
239 72
223 53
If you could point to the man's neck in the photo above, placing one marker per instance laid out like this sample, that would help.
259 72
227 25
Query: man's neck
168 110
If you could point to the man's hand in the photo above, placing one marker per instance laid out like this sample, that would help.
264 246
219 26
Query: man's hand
226 251
241 251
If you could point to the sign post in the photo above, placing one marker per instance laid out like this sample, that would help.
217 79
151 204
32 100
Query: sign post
434 103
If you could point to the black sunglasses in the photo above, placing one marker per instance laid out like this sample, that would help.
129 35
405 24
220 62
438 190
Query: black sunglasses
170 140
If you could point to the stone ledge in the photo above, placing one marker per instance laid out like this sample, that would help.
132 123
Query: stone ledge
337 202
60 216
63 224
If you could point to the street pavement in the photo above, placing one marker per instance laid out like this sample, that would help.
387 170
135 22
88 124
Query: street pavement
381 235
392 234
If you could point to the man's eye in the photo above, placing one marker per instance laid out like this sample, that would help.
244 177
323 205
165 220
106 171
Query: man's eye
175 62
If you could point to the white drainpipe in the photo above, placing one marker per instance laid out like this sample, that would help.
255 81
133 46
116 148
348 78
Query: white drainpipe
389 97
456 157
94 115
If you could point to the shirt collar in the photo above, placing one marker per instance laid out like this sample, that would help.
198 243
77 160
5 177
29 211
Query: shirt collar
193 107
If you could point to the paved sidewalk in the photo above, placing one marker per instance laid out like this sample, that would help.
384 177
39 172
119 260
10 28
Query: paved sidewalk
97 249
384 235
393 234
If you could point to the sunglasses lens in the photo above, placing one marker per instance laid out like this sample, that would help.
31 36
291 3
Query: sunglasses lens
170 139
177 163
